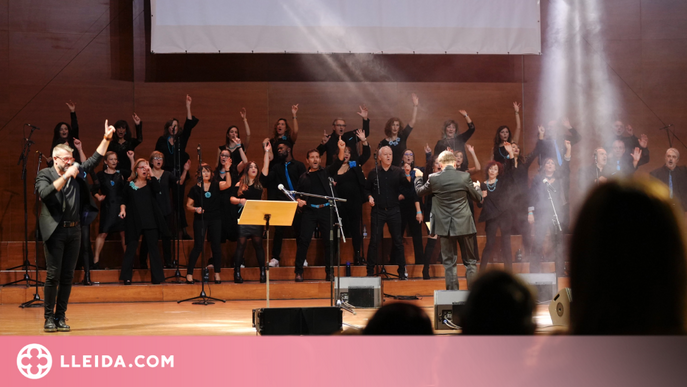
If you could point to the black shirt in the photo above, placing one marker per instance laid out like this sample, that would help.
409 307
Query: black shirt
277 175
390 182
168 149
398 146
72 199
211 201
456 143
351 140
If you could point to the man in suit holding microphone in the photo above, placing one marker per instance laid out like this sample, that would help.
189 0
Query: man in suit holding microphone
451 218
65 203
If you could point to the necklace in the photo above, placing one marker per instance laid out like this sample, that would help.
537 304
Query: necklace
394 142
170 147
491 187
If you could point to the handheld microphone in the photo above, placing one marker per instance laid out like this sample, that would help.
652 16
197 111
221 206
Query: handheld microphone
549 186
32 126
287 193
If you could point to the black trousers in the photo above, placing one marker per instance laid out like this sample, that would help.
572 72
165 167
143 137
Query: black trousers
86 251
351 216
523 228
311 218
542 225
278 237
502 223
61 254
157 274
213 228
392 218
166 246
408 221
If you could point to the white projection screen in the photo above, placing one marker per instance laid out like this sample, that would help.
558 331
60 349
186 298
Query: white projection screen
343 26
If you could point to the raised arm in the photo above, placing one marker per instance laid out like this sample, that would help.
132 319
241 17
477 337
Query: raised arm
246 128
465 115
244 159
79 148
182 178
139 127
366 147
189 116
266 160
226 183
416 103
294 130
471 150
366 121
75 122
518 124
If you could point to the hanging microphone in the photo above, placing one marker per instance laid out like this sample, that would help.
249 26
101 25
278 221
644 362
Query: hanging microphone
32 126
287 193
549 186
665 127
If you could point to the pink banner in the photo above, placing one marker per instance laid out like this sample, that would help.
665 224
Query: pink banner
344 361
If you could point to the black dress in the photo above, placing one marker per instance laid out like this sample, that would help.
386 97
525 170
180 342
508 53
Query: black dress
456 143
111 185
128 145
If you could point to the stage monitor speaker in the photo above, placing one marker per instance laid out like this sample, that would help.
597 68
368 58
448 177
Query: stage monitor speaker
546 284
298 321
361 292
559 308
447 306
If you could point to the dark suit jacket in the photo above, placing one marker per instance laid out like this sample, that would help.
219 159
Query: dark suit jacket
679 182
452 190
52 201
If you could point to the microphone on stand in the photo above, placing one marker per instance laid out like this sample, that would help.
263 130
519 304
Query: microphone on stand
549 186
287 193
32 126
663 128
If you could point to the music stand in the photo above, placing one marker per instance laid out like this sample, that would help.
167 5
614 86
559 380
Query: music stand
266 213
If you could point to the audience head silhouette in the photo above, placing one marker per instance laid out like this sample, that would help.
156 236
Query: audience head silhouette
627 262
498 304
399 318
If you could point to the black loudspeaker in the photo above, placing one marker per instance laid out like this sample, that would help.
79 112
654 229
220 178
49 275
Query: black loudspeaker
559 308
298 321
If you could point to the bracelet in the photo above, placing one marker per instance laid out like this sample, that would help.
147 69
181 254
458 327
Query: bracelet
530 213
294 118
419 212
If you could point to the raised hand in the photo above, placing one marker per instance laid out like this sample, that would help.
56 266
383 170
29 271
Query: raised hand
137 119
236 140
130 154
72 106
325 138
566 123
516 107
188 101
463 113
416 100
506 145
294 110
109 131
471 148
541 129
341 144
637 154
77 143
361 135
643 141
227 164
243 113
363 111
428 149
267 146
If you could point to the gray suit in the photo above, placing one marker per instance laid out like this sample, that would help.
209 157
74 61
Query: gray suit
452 220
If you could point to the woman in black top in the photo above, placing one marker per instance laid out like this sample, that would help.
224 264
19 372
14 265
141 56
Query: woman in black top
204 199
503 135
167 181
451 139
395 137
236 146
350 185
143 216
123 142
65 134
111 182
229 226
283 132
238 160
496 213
249 188
172 144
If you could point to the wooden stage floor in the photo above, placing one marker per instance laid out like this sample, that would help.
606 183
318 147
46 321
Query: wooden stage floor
186 319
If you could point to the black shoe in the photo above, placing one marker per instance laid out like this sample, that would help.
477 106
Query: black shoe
87 279
402 275
61 325
191 282
185 236
169 266
95 266
127 282
263 275
328 277
49 325
425 273
237 276
299 277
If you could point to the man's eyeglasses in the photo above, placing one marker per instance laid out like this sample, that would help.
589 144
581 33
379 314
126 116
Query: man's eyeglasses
65 159
341 125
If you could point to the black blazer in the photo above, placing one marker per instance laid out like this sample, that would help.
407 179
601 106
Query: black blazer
53 200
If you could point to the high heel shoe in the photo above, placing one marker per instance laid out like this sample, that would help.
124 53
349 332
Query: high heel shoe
237 276
263 275
218 280
190 282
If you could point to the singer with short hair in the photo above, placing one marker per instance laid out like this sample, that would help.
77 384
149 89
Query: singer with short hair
65 203
316 211
674 176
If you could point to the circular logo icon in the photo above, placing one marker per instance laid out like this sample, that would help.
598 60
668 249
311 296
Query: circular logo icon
34 361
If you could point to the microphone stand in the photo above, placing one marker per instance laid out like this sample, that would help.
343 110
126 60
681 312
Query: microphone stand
339 235
36 302
669 132
203 299
175 211
332 203
23 160
555 235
